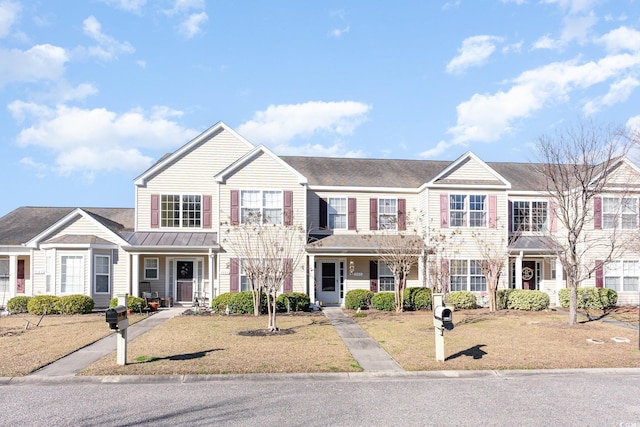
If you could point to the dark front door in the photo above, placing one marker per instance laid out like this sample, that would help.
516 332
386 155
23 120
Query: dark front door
20 278
184 280
529 275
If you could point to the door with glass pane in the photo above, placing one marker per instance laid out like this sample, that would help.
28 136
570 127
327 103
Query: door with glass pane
184 280
329 277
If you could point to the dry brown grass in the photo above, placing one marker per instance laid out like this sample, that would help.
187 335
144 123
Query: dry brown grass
504 340
24 350
212 345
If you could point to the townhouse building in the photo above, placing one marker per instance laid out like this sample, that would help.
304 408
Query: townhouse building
174 239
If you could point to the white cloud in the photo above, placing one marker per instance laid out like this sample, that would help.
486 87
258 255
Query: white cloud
134 6
486 117
633 124
192 25
9 12
90 140
440 148
141 63
619 91
41 62
577 28
184 6
108 48
474 52
545 42
573 6
279 124
338 32
621 39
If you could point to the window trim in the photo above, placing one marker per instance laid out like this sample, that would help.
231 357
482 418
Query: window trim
621 274
63 283
145 268
382 266
261 192
467 275
96 274
467 211
345 214
385 225
164 220
619 214
543 228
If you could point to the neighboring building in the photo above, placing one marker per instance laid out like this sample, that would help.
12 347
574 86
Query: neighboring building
173 240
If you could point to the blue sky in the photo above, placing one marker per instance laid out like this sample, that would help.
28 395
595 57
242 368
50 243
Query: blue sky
93 92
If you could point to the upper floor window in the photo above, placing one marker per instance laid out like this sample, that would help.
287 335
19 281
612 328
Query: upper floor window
387 214
622 275
529 215
468 210
263 206
180 210
619 212
337 213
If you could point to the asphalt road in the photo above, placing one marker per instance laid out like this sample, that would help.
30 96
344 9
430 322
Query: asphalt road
538 398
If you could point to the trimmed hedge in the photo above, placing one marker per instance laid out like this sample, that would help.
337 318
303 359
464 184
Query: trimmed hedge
75 304
42 304
416 298
599 298
220 303
133 303
502 298
18 304
462 299
297 301
358 299
238 302
522 299
384 301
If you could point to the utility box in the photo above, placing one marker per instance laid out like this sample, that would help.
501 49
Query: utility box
117 317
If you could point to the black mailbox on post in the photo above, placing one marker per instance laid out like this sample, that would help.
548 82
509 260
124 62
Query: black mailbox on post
445 315
116 316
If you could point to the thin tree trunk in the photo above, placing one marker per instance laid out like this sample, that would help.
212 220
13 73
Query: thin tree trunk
573 305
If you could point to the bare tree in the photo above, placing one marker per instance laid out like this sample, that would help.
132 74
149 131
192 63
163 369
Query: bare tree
443 245
577 165
270 254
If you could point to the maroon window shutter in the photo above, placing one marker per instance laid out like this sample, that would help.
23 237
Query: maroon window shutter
599 274
351 214
234 275
373 214
493 211
510 204
553 217
444 211
288 207
323 213
235 207
402 214
597 213
206 211
155 210
373 276
288 278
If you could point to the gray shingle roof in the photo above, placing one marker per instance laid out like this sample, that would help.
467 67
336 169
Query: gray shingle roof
24 223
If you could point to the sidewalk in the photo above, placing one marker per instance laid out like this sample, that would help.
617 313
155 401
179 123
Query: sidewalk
73 363
367 352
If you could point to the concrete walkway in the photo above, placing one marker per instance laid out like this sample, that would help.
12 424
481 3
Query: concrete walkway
75 362
367 352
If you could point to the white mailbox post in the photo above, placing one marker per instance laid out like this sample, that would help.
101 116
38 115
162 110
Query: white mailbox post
442 319
118 320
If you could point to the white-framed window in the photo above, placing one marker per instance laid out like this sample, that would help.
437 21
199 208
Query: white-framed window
102 274
468 210
151 269
620 212
4 276
387 214
337 213
529 215
245 283
72 274
49 269
622 276
466 275
385 278
261 206
181 210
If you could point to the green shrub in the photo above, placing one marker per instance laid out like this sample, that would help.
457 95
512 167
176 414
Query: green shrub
18 304
220 303
76 304
242 302
297 301
462 299
42 304
522 299
598 298
358 299
417 298
384 301
133 303
502 298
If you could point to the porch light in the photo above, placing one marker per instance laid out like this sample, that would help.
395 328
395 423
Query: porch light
352 267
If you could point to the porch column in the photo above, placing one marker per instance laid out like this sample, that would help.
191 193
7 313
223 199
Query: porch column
135 275
519 271
559 281
421 270
312 279
210 274
13 275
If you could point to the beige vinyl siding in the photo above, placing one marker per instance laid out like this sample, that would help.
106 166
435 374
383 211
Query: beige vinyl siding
361 265
224 277
192 174
84 226
470 170
120 281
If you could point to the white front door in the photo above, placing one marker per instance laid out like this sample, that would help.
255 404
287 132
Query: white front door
329 281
